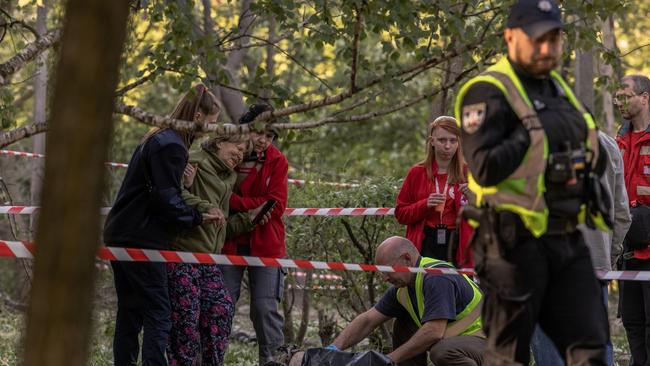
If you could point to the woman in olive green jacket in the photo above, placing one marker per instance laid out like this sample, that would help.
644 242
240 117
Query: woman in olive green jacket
202 309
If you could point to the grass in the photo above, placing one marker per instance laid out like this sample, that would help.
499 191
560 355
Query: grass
240 353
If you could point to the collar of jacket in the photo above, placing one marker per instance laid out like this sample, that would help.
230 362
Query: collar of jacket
218 163
626 127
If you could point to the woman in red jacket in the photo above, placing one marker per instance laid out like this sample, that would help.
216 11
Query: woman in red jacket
433 192
262 177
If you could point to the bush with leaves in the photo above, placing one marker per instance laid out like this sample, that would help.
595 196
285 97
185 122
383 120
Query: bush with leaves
339 239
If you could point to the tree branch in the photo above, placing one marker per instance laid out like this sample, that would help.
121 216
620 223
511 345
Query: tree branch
370 115
32 50
426 64
353 238
292 58
10 303
635 49
355 48
9 137
120 92
177 124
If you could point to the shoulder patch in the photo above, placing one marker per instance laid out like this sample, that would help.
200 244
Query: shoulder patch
472 117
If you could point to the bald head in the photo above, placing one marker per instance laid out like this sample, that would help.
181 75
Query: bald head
395 247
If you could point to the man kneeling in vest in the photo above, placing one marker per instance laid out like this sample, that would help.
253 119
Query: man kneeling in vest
435 313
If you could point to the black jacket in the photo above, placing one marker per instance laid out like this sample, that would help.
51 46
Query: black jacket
499 145
150 218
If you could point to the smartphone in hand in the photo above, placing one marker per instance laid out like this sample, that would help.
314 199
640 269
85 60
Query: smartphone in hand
268 206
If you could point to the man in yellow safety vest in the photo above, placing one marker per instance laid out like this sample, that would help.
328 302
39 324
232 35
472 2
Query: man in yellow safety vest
534 159
438 313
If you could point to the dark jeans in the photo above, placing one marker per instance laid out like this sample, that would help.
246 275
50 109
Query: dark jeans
142 304
452 351
556 274
635 312
546 354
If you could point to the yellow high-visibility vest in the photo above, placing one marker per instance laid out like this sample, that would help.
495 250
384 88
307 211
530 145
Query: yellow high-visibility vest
523 191
467 322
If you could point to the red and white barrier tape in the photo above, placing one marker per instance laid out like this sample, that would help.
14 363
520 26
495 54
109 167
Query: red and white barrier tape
359 211
298 182
372 211
329 277
34 155
17 249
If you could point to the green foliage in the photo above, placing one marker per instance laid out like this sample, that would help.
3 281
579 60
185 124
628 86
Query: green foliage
344 239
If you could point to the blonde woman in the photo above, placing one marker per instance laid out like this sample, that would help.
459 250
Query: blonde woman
432 193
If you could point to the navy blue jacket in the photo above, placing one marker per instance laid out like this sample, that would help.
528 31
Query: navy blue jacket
151 218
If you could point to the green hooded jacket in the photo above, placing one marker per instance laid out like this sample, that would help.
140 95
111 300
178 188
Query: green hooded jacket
211 188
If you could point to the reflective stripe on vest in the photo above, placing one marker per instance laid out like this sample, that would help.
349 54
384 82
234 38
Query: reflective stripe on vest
466 322
523 191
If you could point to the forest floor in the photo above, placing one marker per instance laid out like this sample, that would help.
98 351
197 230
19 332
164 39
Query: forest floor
242 350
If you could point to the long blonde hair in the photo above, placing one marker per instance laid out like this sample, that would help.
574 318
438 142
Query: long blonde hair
197 99
456 170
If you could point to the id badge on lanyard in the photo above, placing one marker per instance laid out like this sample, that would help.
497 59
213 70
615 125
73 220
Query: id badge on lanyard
441 234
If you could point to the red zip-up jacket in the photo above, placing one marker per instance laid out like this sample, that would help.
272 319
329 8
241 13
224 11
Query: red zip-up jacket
270 182
635 148
411 210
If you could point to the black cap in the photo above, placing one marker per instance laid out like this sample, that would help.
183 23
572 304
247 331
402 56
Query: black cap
535 17
254 111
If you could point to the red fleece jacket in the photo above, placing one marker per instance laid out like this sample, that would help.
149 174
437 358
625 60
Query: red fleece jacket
270 182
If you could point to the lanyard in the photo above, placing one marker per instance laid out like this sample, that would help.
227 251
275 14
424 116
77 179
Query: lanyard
444 191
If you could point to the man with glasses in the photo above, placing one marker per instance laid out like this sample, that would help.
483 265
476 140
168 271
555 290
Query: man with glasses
633 101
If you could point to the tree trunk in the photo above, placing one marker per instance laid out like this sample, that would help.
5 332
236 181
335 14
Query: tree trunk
609 41
287 308
232 100
270 54
306 307
40 115
442 104
59 315
584 73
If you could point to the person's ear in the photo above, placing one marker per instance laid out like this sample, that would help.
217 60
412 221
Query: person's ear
507 35
198 117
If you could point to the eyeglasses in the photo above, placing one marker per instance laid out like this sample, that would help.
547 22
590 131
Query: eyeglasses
623 99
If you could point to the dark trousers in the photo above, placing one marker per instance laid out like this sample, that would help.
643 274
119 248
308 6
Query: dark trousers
561 292
142 304
635 311
452 351
266 285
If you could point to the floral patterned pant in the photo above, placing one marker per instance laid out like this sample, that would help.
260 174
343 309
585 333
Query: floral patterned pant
202 312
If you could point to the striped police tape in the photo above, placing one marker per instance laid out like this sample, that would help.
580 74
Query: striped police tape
299 182
18 249
338 211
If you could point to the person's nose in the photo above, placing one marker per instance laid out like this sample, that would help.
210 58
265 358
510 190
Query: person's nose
545 48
